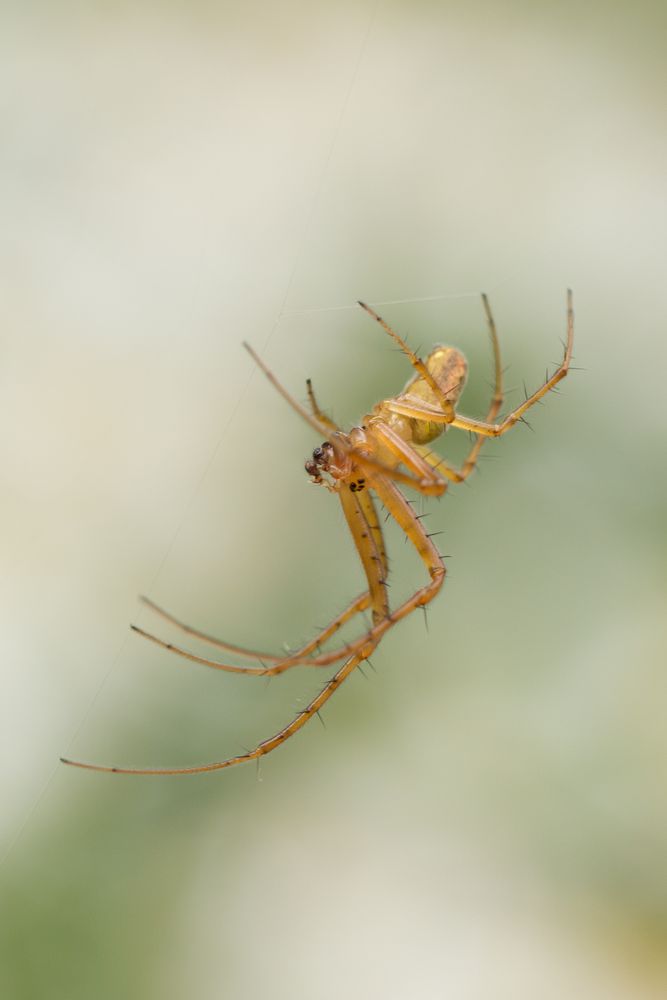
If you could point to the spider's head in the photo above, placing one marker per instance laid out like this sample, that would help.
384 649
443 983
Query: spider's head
320 462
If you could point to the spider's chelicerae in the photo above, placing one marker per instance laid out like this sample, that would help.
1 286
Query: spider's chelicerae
391 446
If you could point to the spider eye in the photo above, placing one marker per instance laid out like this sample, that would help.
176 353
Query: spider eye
323 453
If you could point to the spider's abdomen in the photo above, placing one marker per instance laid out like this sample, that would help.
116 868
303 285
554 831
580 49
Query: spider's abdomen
425 431
408 413
449 368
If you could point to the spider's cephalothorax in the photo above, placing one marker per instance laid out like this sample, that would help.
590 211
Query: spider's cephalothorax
390 448
333 458
320 461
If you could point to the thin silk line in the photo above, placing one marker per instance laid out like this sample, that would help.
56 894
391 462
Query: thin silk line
383 302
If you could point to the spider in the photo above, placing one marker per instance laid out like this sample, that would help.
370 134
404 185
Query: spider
389 447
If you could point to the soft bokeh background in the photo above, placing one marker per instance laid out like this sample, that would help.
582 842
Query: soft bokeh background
484 816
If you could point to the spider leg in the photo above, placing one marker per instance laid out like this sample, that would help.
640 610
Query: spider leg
317 425
489 429
438 463
401 510
426 479
266 746
404 515
428 485
417 363
364 526
424 411
279 664
360 604
422 478
323 425
421 475
423 465
317 412
266 670
365 501
451 473
485 428
369 544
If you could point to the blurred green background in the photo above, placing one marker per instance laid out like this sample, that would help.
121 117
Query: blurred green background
485 815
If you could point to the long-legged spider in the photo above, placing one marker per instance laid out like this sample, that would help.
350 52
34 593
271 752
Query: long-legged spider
390 446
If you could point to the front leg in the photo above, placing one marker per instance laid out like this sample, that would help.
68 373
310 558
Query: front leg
487 429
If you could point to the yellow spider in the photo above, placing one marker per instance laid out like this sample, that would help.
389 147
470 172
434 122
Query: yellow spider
390 446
